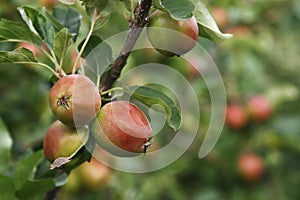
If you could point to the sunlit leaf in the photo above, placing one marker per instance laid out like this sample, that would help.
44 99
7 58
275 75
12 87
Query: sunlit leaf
5 148
17 32
6 188
150 96
207 25
62 43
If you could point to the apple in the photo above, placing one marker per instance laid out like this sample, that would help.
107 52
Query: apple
236 116
74 99
94 174
63 141
121 127
250 166
172 37
221 16
259 108
34 49
49 4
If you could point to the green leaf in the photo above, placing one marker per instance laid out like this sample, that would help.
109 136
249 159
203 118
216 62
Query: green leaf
36 189
6 188
207 25
5 148
19 55
178 10
25 168
17 32
151 96
68 17
38 23
62 43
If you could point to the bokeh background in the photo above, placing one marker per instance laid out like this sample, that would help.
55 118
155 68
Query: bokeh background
261 59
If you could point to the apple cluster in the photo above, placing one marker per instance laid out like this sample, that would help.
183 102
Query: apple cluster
257 108
119 127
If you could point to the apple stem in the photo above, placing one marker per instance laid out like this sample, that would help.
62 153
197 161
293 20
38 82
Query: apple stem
86 41
141 18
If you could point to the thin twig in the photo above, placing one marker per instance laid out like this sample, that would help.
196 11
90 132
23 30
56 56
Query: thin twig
141 18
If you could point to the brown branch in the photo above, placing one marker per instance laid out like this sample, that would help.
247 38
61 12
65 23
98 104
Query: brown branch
141 17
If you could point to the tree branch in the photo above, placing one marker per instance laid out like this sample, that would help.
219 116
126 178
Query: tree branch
141 18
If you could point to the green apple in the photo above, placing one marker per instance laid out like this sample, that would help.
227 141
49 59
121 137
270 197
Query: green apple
172 37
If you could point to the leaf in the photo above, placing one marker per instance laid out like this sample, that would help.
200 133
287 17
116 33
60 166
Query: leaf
17 32
62 43
6 188
178 10
150 96
38 23
5 148
19 55
36 189
25 168
68 17
207 25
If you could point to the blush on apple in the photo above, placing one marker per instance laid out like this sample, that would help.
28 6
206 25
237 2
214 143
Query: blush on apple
75 100
122 127
172 37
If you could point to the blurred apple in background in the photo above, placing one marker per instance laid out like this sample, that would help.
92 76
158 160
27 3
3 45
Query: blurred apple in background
250 167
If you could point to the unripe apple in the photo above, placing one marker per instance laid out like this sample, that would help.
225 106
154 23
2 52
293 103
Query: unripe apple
172 37
259 108
250 167
94 174
75 100
122 128
63 141
236 116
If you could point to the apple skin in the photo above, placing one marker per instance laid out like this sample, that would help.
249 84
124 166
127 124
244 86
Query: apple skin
49 4
35 50
122 128
172 36
63 141
74 100
250 166
259 108
236 116
94 174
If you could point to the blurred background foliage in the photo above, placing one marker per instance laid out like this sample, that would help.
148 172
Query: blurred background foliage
262 58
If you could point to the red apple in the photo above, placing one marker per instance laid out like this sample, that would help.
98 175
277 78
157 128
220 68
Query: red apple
63 141
236 116
49 3
122 127
221 16
259 108
35 50
172 37
75 100
250 167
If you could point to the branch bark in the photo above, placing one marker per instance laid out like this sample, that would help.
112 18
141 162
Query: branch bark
141 18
